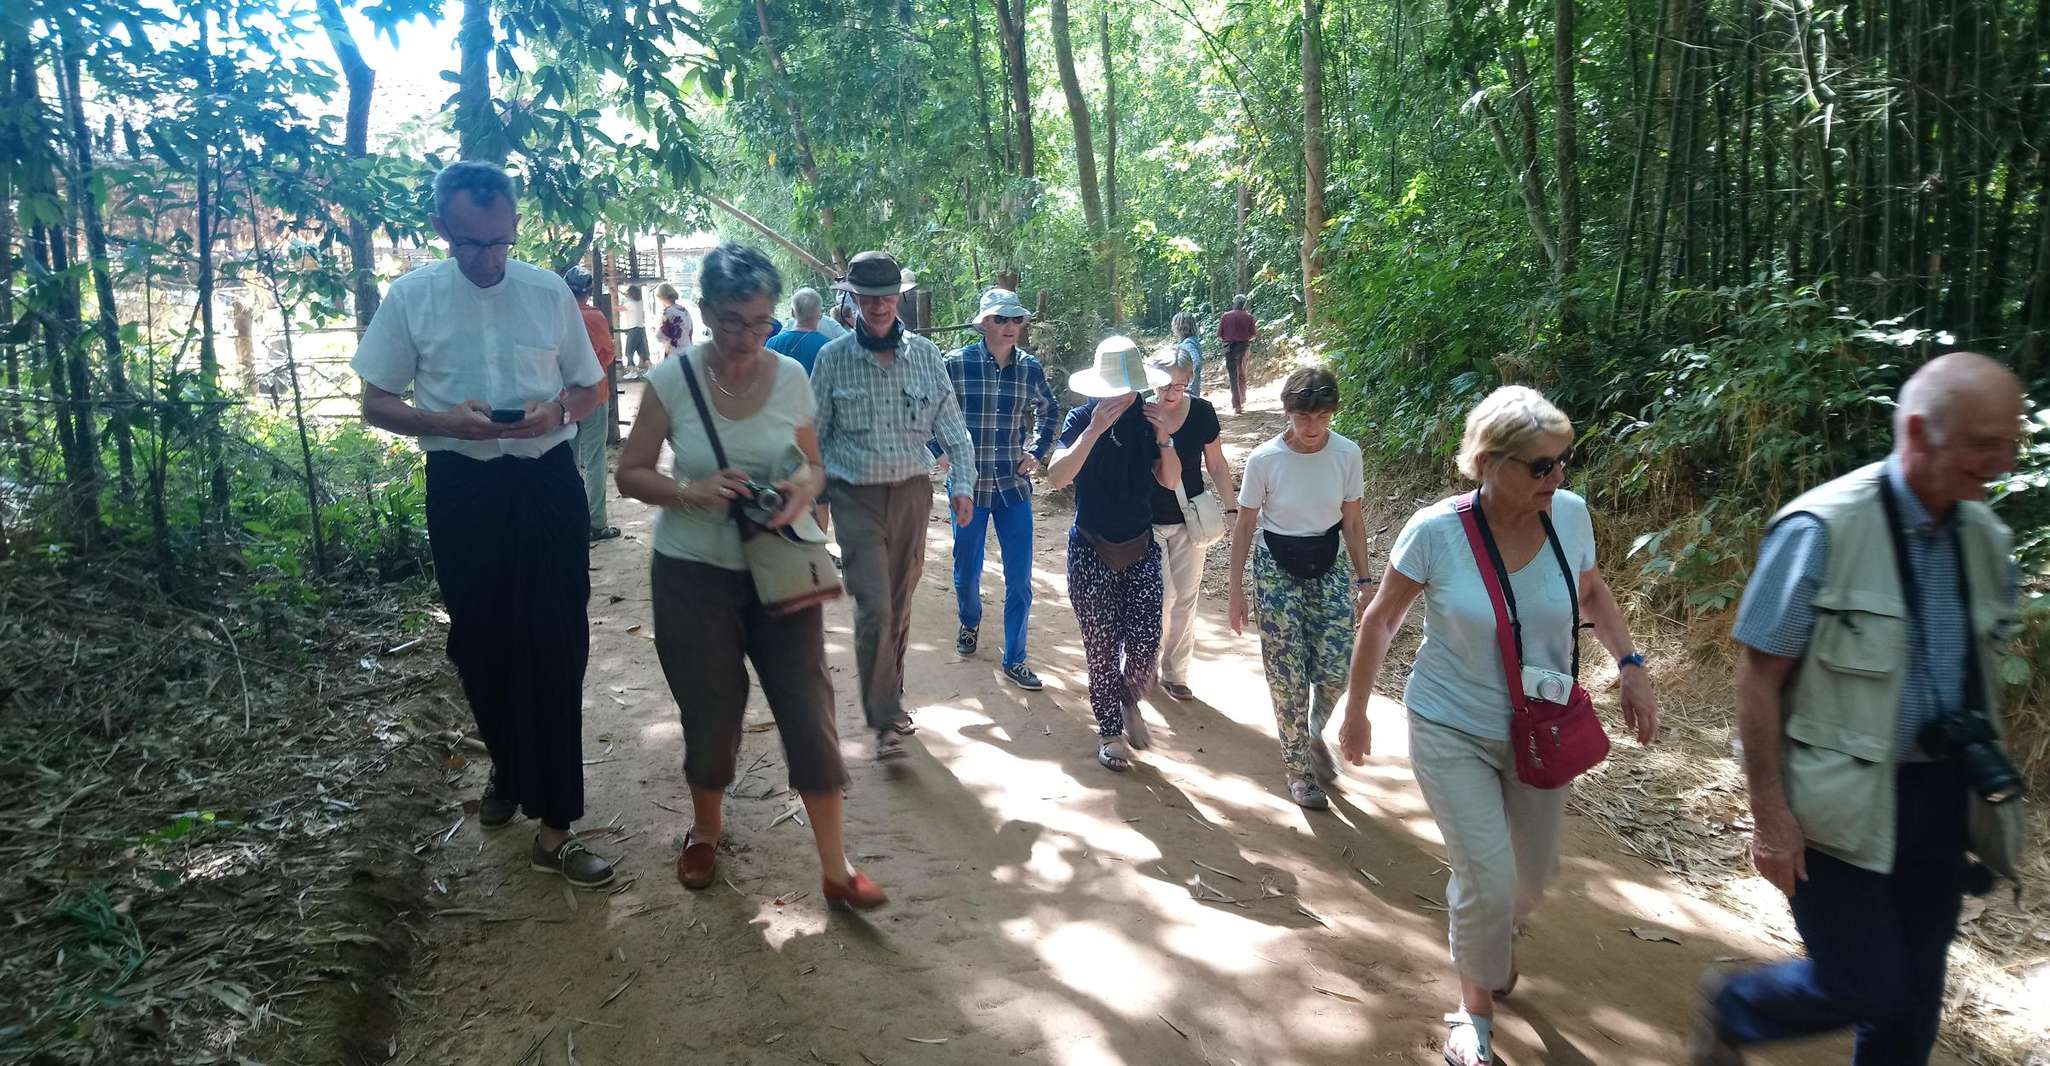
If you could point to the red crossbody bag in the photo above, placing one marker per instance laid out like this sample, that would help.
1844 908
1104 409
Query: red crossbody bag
1554 742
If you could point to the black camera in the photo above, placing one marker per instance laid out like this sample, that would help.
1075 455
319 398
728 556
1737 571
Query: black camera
765 502
1966 739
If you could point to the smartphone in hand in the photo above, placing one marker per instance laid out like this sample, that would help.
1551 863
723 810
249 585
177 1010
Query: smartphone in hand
507 414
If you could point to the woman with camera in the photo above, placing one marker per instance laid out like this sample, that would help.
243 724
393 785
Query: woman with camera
708 614
1501 833
1299 500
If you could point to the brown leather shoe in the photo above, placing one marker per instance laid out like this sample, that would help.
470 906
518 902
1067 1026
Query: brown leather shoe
698 862
858 892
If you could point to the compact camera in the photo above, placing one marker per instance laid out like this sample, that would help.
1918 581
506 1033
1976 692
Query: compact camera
1550 686
1966 739
765 502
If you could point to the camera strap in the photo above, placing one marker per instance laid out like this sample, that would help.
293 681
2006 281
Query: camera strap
1480 521
697 395
1911 591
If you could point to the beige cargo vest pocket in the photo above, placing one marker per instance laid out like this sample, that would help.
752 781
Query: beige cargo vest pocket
1839 753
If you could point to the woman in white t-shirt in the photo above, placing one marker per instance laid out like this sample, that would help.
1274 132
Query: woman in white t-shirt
708 617
1501 835
1299 497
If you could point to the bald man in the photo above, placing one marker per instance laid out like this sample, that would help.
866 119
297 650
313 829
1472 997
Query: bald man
1870 632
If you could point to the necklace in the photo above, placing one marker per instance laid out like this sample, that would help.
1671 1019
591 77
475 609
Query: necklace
721 386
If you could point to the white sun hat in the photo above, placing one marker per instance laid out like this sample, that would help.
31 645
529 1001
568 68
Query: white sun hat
1120 368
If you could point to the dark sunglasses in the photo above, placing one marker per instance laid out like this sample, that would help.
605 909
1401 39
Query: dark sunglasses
1315 394
1541 468
1008 320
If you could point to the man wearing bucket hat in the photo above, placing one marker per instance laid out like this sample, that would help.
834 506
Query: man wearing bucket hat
882 394
1003 395
1116 451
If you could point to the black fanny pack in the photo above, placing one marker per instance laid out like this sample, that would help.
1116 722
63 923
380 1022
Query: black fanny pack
1304 558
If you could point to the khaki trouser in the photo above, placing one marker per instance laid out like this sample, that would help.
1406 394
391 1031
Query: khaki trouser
1181 565
881 530
1501 835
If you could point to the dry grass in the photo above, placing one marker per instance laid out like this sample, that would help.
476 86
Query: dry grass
195 868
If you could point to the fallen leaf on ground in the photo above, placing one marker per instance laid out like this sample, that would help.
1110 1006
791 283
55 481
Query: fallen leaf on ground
1652 935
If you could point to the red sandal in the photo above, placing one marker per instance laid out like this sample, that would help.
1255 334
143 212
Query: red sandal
858 892
697 864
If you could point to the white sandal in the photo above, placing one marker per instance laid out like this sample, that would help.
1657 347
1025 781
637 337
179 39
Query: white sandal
1469 1041
1114 754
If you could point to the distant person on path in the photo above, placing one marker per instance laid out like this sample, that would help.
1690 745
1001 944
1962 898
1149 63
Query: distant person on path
593 428
1011 413
1184 326
1235 328
708 616
1501 834
1116 452
633 325
1868 702
882 394
830 324
675 329
1193 425
803 339
1299 502
474 335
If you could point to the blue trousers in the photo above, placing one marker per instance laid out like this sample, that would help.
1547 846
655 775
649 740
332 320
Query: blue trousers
1877 943
1014 541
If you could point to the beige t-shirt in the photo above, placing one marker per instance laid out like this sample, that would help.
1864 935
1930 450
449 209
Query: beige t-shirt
763 445
519 341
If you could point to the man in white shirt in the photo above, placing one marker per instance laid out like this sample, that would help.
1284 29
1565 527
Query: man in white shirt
501 370
633 327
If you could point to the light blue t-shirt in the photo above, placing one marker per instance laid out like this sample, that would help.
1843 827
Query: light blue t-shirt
1457 678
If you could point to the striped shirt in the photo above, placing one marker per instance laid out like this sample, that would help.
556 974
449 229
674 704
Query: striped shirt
873 420
1000 403
1777 615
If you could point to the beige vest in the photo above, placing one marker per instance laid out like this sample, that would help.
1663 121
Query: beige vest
1842 701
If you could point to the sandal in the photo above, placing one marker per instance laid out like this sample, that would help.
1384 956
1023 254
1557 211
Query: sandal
1469 1041
1114 754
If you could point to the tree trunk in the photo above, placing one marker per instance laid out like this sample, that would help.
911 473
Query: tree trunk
1521 166
1114 242
1647 122
83 180
477 126
205 195
1238 243
1078 114
989 140
806 161
1566 134
1011 34
1313 153
362 83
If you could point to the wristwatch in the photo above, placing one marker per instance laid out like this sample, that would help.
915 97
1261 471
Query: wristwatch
1635 658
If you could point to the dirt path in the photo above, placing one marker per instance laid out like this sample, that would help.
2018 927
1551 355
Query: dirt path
1043 910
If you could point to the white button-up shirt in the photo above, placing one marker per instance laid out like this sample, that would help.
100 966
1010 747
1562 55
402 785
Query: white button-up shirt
520 341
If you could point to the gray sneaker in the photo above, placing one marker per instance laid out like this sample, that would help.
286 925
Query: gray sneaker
574 862
1308 794
1322 766
1023 677
888 745
965 641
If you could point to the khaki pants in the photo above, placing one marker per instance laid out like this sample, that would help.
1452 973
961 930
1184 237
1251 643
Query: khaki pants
1181 565
881 530
1501 836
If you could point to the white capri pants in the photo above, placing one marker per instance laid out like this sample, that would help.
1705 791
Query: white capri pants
1501 837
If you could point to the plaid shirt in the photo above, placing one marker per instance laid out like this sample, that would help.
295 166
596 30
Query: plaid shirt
999 403
874 421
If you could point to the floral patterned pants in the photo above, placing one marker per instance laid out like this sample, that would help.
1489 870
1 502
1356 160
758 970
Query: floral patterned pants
1119 611
1306 630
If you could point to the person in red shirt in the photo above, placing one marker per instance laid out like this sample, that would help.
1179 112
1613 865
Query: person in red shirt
1236 330
591 432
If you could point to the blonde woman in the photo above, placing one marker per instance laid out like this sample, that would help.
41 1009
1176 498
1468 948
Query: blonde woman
1192 424
1501 835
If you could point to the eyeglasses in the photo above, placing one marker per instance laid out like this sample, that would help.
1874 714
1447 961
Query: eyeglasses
1009 320
1542 467
1314 394
739 325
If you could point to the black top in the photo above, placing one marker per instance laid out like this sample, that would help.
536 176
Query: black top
1198 430
1114 490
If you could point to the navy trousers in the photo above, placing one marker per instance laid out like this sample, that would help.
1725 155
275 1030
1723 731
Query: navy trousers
1877 943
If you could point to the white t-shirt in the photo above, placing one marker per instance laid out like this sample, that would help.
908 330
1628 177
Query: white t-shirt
1457 680
632 313
519 341
1299 494
764 445
831 328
